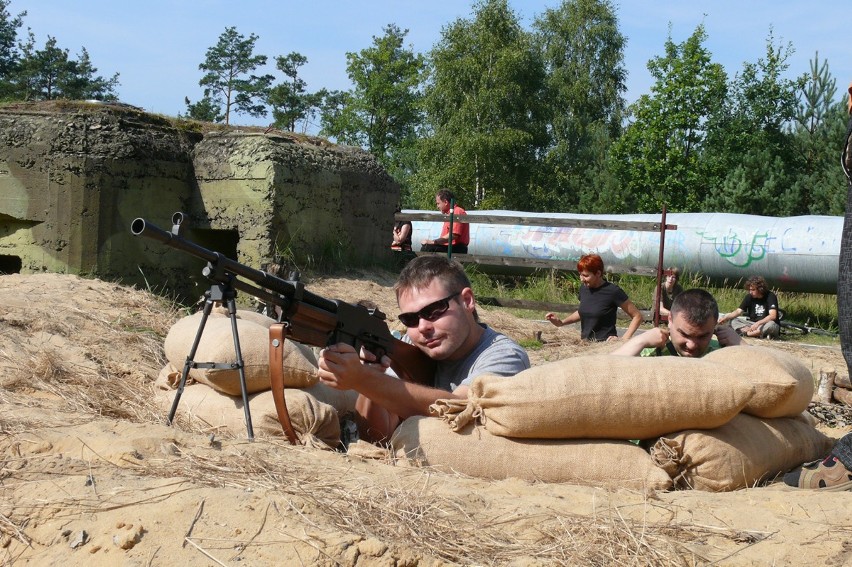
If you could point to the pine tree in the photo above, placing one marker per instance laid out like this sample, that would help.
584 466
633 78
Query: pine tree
229 81
290 100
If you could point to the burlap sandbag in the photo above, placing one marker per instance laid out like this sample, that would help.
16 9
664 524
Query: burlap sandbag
316 424
217 345
602 397
168 378
247 314
427 441
341 400
783 385
746 451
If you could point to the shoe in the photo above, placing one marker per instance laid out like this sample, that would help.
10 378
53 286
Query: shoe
828 475
348 432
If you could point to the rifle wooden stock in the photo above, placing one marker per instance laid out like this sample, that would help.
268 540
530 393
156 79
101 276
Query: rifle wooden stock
410 363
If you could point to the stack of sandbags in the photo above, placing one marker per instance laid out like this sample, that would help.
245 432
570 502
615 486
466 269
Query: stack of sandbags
213 396
772 435
217 345
570 421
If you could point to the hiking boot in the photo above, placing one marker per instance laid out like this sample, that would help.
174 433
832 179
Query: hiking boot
828 475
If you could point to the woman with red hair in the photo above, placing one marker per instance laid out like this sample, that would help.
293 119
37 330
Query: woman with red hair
599 303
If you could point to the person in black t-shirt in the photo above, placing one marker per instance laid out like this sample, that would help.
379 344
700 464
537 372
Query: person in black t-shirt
761 309
599 303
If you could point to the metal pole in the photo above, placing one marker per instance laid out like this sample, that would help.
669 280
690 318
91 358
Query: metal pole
659 294
450 236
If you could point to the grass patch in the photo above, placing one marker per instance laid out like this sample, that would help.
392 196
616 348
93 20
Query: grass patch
814 310
530 344
544 285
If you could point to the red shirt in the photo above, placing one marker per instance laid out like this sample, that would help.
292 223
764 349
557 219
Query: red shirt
461 230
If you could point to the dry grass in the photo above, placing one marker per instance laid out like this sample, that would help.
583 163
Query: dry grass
94 361
407 514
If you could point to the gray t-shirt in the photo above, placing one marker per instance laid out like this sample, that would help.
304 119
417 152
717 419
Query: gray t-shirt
495 354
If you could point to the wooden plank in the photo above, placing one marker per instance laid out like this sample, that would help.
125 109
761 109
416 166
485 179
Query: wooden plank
542 263
471 218
647 315
527 304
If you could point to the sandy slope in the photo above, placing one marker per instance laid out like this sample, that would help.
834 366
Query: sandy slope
83 450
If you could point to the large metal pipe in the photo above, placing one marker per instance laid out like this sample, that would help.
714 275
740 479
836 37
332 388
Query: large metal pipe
792 253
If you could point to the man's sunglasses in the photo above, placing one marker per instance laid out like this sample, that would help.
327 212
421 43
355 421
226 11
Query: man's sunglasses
431 312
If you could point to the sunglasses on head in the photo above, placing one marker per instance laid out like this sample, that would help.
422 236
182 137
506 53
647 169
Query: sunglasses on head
431 312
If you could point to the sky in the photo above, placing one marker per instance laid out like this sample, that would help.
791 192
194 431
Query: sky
157 45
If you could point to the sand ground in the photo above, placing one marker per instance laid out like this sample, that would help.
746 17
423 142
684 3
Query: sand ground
90 474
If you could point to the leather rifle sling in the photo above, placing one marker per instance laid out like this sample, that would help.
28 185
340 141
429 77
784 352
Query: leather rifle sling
276 377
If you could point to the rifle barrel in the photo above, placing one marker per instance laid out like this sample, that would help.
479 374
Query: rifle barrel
290 290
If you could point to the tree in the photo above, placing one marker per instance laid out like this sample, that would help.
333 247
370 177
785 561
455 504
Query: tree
381 113
749 155
332 109
206 109
583 52
484 111
818 129
290 101
8 40
42 71
49 74
81 83
657 159
228 81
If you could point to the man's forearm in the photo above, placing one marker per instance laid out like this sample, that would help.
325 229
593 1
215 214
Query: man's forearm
632 347
400 397
634 324
730 316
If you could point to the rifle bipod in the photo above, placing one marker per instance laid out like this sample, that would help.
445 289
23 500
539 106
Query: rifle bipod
225 294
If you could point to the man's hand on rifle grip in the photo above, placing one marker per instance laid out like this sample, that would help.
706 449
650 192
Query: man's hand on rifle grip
369 357
341 367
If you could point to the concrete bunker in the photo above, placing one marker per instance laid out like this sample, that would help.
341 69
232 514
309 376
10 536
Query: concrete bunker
73 176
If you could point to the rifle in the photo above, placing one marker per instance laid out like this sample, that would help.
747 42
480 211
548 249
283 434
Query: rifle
305 318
